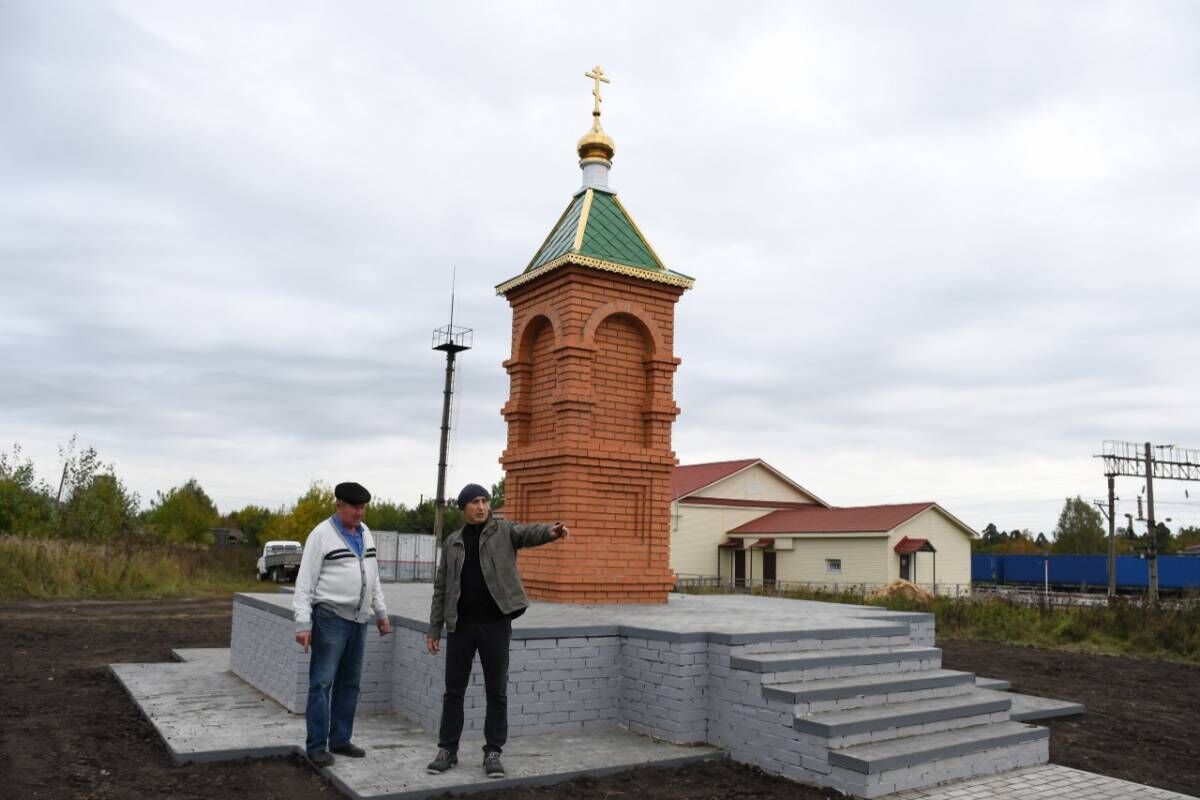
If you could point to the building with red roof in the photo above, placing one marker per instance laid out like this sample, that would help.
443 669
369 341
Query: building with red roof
746 522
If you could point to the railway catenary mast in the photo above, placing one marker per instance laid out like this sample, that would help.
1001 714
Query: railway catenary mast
1138 460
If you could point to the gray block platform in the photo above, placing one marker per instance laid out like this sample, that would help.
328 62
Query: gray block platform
851 697
204 712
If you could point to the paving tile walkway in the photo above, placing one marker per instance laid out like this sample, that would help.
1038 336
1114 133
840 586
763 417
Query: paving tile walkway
206 713
1044 782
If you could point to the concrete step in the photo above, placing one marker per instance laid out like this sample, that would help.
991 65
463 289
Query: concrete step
837 663
928 747
867 635
891 720
862 690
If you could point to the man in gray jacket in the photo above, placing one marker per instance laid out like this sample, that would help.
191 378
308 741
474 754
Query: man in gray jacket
476 595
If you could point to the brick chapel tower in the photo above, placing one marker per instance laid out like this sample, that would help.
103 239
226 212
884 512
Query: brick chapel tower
591 402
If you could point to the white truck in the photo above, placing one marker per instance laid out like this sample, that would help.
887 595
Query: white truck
280 561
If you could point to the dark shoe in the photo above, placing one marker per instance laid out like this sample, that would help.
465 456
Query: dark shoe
491 765
348 749
320 758
442 762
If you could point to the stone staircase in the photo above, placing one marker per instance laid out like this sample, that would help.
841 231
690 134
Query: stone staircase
871 716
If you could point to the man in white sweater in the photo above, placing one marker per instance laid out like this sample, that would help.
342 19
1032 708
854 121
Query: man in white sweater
337 588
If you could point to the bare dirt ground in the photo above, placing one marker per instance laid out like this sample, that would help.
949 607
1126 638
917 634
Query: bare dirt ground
67 729
1142 716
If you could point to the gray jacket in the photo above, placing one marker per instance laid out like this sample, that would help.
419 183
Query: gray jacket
499 542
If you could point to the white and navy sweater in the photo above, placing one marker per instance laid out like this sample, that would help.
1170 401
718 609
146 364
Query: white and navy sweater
332 575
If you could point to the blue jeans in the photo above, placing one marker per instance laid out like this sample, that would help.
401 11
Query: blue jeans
333 675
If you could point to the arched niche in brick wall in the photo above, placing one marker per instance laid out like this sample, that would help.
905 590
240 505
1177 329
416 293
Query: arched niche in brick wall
619 377
537 389
628 346
637 315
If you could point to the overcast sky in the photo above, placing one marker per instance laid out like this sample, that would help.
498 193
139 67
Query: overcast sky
942 250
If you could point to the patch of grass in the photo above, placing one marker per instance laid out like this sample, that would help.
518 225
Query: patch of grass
130 567
1170 630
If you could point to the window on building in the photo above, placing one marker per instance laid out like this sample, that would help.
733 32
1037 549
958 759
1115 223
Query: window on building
833 565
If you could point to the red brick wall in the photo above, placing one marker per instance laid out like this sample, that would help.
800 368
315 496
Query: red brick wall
589 413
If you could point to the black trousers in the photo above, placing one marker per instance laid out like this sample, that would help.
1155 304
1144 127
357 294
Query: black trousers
490 640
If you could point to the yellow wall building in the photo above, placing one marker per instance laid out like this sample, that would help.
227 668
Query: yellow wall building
747 522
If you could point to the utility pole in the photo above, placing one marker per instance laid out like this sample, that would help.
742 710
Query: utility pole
1112 537
1152 545
451 340
61 483
1107 511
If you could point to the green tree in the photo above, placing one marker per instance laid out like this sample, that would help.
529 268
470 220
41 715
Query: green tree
26 506
384 515
498 494
297 523
1163 537
99 509
97 506
252 521
1017 542
1080 529
1186 537
184 514
420 518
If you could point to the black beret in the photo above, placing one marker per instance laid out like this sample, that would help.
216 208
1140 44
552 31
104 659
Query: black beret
353 493
470 492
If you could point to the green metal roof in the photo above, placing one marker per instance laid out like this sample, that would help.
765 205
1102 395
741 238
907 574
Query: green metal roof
562 237
608 234
596 231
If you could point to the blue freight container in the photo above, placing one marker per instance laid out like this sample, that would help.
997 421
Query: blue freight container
1175 573
985 569
1179 572
1077 571
1019 570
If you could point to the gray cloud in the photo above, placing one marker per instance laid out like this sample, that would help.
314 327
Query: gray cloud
940 253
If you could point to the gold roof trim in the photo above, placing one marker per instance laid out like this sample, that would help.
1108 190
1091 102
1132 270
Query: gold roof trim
637 230
669 278
583 220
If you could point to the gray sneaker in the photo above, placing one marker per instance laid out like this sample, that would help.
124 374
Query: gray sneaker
442 762
491 765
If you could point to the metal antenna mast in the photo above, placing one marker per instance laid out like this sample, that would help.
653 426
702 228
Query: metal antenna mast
451 340
1138 460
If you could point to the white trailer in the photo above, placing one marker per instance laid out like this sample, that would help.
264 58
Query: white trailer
405 557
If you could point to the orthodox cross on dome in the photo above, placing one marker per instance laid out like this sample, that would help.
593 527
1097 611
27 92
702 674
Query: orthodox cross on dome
597 75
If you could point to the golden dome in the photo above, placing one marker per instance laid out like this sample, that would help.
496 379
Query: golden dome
596 143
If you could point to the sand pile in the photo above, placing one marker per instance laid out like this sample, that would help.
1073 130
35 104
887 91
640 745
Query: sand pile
903 589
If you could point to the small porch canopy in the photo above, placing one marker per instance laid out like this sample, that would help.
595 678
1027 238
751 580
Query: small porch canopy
910 547
763 544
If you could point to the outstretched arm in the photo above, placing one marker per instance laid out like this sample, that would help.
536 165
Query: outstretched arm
534 535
